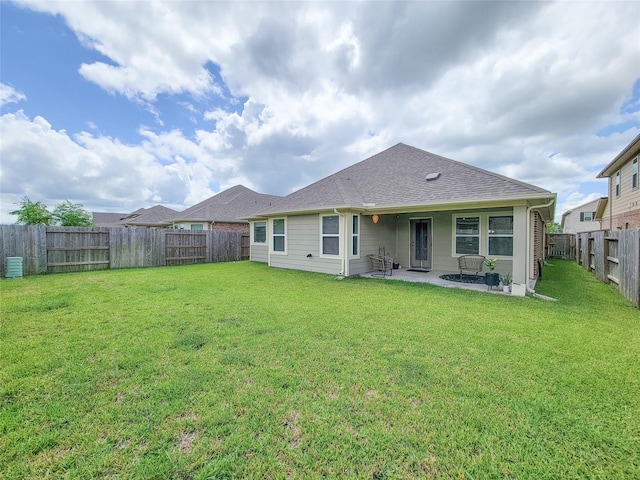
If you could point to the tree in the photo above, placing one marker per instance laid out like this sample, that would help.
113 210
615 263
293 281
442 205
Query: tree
32 213
69 214
554 228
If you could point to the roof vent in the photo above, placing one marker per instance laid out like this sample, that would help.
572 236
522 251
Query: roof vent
432 176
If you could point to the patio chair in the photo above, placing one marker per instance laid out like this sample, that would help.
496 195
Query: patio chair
470 263
381 264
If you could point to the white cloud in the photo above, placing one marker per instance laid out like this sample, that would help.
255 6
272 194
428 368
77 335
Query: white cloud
8 94
100 172
520 88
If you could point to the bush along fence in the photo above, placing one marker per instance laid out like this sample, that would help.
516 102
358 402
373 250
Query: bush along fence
72 249
612 255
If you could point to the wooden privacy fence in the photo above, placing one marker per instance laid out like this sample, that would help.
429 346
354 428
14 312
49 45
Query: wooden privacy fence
612 255
561 245
71 249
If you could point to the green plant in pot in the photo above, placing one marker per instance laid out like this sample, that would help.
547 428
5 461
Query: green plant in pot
506 282
491 279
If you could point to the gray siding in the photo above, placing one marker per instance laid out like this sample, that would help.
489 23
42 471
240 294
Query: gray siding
374 236
259 253
393 231
302 239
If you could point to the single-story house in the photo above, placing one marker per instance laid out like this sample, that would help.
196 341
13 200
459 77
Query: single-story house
581 218
422 209
153 217
224 211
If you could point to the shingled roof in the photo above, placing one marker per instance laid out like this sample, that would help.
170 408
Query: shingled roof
149 217
397 177
144 217
231 205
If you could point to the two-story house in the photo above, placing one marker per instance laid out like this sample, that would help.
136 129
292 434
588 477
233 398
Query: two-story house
622 210
581 218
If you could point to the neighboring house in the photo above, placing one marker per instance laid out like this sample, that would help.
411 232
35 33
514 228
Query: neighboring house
422 209
582 218
102 219
225 211
622 209
154 217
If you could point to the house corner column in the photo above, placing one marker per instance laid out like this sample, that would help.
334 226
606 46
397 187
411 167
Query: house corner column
520 253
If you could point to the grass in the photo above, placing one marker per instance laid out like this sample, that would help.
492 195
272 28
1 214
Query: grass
241 371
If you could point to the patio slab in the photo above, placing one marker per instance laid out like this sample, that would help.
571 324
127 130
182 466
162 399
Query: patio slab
432 277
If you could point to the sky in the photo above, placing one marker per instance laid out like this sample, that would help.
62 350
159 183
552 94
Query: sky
119 105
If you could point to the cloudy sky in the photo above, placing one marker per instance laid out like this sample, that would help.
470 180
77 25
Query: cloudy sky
129 104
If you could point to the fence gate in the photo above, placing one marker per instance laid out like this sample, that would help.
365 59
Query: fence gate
73 250
183 248
245 247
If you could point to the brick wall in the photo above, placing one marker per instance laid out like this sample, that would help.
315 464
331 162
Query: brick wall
623 221
538 242
231 227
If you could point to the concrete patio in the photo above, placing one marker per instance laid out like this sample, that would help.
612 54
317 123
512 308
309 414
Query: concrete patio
432 277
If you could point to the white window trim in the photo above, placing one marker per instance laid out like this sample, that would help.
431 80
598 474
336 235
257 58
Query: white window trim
502 214
455 234
339 235
286 243
617 184
483 244
351 235
635 165
266 240
584 216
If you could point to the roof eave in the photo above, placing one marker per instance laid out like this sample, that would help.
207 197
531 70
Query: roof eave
625 155
524 200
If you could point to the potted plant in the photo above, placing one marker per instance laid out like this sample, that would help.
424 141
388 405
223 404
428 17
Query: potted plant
491 279
506 282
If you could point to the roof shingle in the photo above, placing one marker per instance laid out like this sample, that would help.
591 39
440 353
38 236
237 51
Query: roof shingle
396 177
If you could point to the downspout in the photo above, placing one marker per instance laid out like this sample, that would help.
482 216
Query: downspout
528 252
343 258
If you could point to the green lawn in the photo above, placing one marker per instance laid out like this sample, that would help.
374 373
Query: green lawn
240 371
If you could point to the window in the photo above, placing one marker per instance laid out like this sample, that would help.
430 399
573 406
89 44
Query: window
260 232
467 235
634 173
197 226
618 183
330 235
355 235
278 235
587 216
500 236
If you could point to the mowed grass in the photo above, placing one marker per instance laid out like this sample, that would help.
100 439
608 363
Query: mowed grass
240 371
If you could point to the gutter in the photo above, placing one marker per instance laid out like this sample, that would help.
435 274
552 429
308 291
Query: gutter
466 203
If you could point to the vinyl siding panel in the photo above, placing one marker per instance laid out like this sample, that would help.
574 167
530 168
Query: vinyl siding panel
629 198
259 253
572 223
374 237
302 239
443 258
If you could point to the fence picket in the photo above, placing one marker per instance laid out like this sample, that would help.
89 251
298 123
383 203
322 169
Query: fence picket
611 255
66 249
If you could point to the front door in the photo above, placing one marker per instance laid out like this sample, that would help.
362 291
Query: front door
421 244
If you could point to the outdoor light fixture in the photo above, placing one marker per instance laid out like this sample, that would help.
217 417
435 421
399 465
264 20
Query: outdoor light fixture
375 218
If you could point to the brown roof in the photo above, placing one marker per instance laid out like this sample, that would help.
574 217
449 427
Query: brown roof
148 217
231 205
101 219
397 177
154 216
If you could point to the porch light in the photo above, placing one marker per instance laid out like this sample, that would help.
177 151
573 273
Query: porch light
375 218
